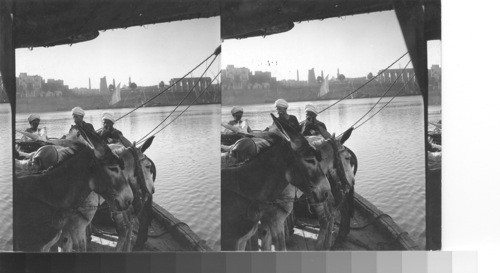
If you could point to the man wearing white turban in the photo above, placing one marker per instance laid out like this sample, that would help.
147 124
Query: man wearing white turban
310 126
78 114
34 120
110 134
238 123
282 106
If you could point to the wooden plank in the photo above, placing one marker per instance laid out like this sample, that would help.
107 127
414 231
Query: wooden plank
385 223
179 229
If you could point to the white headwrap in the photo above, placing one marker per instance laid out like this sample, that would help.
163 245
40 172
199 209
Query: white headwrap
108 116
236 109
32 117
78 111
311 108
281 103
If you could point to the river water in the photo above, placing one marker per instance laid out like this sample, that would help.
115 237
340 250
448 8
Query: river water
186 155
5 178
389 147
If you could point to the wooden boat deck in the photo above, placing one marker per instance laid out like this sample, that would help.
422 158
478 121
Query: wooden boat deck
371 229
166 233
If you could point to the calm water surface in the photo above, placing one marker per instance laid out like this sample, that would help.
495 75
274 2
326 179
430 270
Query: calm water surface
186 154
389 147
5 178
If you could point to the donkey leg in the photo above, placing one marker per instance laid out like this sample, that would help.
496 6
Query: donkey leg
242 242
46 247
124 229
145 218
266 237
280 234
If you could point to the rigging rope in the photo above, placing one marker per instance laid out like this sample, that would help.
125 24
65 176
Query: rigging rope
402 88
143 139
393 97
183 99
383 95
215 53
363 85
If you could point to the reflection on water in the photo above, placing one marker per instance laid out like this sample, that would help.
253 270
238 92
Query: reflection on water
5 178
186 155
389 147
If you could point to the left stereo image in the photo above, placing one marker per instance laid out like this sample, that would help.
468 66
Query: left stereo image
116 119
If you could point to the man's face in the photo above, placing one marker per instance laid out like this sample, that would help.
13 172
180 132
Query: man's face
237 116
107 124
310 116
281 110
77 118
34 123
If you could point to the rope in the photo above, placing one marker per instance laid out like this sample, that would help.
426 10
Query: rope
363 85
402 88
179 104
215 53
143 139
383 95
305 239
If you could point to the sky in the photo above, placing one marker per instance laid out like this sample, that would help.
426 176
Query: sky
356 45
148 54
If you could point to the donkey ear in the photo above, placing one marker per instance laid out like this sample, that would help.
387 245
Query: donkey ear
146 144
346 135
100 148
295 138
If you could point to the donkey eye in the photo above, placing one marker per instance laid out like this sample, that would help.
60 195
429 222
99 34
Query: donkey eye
113 168
310 161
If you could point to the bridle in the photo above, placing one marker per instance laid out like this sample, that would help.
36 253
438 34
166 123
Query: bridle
279 202
139 175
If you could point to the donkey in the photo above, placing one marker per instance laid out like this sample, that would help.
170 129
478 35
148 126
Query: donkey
42 202
340 165
249 189
140 173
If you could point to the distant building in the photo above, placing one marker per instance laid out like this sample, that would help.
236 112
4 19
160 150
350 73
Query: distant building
103 86
83 92
235 77
435 72
242 78
311 78
390 75
29 86
293 83
187 84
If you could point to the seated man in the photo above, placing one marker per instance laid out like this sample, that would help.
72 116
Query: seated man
282 106
34 121
237 124
109 134
78 114
310 126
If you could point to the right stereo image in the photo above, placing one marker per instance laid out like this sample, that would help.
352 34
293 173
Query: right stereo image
331 129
